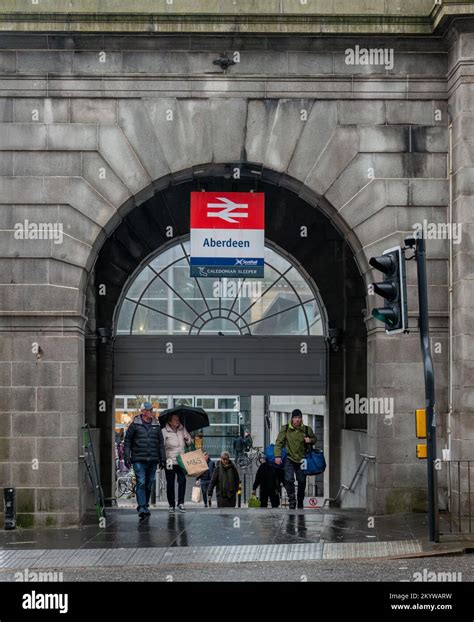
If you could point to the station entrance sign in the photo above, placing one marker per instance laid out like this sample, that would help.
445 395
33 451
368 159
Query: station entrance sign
227 234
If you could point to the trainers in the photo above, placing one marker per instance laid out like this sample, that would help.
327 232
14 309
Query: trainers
292 506
142 517
181 508
171 509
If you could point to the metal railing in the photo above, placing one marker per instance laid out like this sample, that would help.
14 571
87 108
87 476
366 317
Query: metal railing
365 459
457 518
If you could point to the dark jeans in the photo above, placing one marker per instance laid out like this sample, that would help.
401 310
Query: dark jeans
171 475
292 469
274 499
146 474
204 488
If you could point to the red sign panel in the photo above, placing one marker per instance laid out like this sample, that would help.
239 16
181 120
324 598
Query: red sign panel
227 210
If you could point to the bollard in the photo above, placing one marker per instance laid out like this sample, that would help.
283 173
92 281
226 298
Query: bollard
10 509
245 487
239 496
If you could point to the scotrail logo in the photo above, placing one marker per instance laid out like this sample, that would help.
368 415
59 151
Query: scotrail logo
246 262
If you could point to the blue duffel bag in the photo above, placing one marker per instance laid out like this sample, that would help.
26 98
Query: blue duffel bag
314 462
270 456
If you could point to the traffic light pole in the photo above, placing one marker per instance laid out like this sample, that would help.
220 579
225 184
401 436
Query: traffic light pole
433 517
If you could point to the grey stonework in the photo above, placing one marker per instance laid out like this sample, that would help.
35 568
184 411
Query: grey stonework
84 143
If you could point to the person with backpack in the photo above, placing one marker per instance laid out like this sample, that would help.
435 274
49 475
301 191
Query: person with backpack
297 439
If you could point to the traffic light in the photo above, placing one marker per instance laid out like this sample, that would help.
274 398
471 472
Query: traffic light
393 289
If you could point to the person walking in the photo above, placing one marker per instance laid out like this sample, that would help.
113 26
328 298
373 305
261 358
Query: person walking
238 446
248 441
144 449
269 479
205 479
297 438
176 438
226 481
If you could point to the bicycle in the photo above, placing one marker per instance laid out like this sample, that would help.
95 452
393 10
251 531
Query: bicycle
255 454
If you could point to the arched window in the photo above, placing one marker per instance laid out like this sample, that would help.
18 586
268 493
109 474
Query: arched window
163 299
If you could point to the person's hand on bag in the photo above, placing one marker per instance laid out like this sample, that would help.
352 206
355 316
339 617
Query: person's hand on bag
254 493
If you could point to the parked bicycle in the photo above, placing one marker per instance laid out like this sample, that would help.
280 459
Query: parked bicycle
254 455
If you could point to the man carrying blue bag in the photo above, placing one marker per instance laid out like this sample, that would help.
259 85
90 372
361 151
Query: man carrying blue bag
297 439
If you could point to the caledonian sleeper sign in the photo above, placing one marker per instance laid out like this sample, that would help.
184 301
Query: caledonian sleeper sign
227 234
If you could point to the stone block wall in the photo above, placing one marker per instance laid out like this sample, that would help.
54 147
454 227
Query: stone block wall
84 142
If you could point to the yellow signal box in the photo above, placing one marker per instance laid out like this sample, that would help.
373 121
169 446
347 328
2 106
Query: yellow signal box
421 423
422 451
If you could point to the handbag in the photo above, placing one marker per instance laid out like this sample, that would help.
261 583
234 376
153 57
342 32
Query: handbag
254 502
314 462
196 495
270 456
193 463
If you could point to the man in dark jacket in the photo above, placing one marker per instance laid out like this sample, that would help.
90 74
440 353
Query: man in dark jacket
145 450
297 438
238 446
269 478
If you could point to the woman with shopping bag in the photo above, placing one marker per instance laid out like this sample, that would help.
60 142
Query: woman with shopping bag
226 481
176 438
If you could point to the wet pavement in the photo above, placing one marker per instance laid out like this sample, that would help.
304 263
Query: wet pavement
200 527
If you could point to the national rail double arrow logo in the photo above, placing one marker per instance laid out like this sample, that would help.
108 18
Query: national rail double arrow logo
227 208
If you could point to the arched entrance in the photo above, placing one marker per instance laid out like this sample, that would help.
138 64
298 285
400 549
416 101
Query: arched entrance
296 232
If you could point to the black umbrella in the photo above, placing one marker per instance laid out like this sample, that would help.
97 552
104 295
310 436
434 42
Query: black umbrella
192 417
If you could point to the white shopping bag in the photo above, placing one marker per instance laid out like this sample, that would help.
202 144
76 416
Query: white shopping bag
196 496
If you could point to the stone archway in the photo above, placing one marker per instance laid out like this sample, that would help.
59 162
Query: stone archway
322 252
